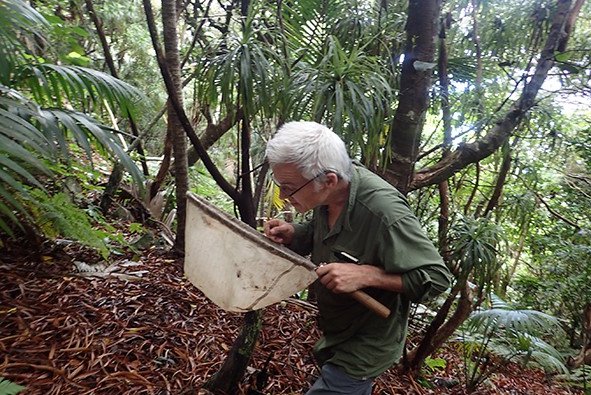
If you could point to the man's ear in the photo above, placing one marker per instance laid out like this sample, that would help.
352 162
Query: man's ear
332 179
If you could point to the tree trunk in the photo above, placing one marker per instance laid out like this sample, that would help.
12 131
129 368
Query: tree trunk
413 100
584 356
226 379
213 132
443 187
438 333
175 129
164 166
501 178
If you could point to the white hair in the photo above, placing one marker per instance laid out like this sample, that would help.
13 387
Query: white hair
312 147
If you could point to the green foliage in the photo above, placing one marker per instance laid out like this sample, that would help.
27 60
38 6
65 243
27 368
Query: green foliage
435 364
561 283
17 19
37 125
511 335
57 216
205 186
474 244
238 72
9 388
52 84
348 89
579 378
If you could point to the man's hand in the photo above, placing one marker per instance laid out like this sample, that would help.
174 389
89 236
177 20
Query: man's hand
345 277
279 231
349 277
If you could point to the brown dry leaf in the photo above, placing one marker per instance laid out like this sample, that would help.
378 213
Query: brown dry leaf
69 335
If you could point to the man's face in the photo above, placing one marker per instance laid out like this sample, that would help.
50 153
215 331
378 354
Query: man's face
300 191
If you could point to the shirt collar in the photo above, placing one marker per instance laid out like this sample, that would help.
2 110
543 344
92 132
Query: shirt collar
343 222
353 187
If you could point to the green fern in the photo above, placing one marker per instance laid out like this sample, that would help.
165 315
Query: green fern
57 216
9 388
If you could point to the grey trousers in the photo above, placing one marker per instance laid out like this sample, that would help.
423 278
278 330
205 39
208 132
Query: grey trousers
333 380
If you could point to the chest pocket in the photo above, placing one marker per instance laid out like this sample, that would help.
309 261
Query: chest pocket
349 247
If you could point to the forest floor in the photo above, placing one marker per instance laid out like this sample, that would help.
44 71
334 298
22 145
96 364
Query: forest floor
139 327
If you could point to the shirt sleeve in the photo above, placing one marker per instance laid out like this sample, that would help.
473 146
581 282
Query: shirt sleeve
303 238
405 249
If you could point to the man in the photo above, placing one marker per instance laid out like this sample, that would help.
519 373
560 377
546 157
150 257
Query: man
358 217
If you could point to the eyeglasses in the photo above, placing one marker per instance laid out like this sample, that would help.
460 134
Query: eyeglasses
290 194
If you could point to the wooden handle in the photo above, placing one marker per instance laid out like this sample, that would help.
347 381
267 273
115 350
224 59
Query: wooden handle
371 303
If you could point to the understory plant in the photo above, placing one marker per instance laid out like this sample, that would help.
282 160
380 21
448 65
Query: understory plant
9 388
491 338
578 378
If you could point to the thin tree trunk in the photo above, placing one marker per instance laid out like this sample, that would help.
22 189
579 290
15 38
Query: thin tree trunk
413 100
443 187
164 166
501 179
437 337
226 380
174 100
175 129
117 173
584 356
213 132
468 204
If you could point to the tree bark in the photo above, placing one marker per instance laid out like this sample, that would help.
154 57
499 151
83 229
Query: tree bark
443 187
570 23
501 178
184 120
226 379
213 132
175 129
164 166
413 100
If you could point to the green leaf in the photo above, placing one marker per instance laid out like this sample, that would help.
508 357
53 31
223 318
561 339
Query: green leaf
435 363
9 388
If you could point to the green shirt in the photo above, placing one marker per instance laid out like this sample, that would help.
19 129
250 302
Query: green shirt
377 227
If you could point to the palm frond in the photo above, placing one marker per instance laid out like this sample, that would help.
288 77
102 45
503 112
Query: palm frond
54 85
347 89
31 137
241 67
528 321
17 20
528 349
